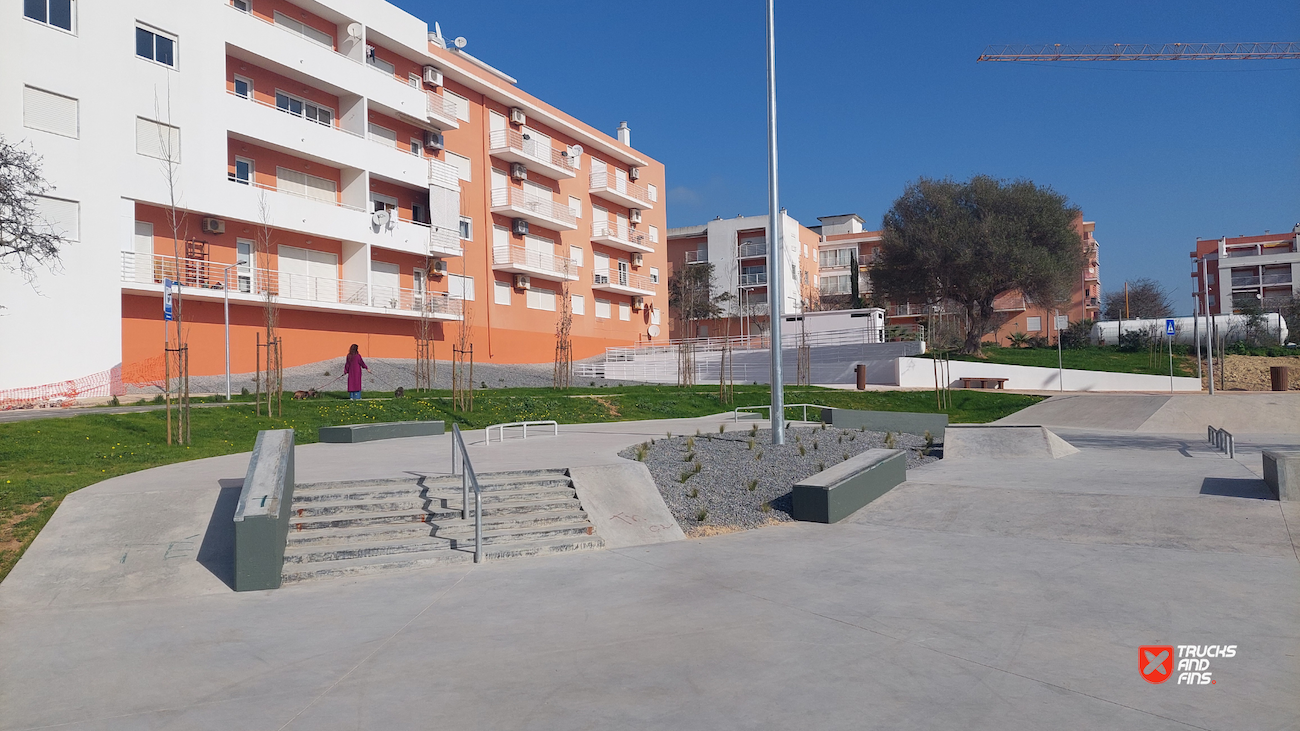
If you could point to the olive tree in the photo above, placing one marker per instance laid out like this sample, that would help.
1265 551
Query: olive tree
967 242
26 239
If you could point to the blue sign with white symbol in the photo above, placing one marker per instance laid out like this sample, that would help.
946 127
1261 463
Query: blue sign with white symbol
1169 327
167 299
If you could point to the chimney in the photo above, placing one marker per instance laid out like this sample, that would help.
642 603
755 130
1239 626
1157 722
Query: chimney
624 134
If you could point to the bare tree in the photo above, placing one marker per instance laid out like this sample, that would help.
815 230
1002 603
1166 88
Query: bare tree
26 238
1145 298
169 150
563 375
274 363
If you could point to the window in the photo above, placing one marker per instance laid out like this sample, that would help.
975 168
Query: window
57 13
243 171
466 228
602 309
541 299
461 103
805 250
243 262
61 217
1033 324
241 5
575 254
419 213
836 284
460 287
417 284
624 311
500 292
654 234
379 63
413 80
835 258
155 46
578 304
654 275
462 166
307 186
654 191
243 87
417 147
575 207
155 139
305 109
306 31
381 202
49 112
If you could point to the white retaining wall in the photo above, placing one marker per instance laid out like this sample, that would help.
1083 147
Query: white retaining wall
919 373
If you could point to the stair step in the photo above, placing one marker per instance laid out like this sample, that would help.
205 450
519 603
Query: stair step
294 573
431 514
413 502
461 541
395 531
375 490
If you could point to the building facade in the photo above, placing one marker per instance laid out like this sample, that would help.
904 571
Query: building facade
333 153
737 249
1234 271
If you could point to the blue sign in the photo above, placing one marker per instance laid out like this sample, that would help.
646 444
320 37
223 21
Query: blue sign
167 299
1169 327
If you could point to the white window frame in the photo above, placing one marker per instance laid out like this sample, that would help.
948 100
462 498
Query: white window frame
575 206
73 233
417 146
413 80
252 171
302 30
466 228
248 82
625 311
501 292
464 166
1034 324
537 298
161 151
609 312
575 255
294 97
157 33
654 275
72 18
462 282
76 113
577 304
653 191
654 234
460 102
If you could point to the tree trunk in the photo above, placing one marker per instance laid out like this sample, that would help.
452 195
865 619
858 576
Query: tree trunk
979 315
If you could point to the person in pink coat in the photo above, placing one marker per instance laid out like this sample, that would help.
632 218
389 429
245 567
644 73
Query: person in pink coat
352 367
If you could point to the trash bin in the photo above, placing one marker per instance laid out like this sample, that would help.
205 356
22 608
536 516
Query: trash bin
1281 377
862 376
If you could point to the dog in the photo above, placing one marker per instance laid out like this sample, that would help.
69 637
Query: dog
400 392
302 395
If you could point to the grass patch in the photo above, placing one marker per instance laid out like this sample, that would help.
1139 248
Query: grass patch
42 460
1107 358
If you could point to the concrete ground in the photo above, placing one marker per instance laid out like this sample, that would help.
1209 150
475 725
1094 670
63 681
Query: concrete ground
981 594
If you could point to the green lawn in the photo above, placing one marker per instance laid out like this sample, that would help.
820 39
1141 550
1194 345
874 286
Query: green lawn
43 460
1107 358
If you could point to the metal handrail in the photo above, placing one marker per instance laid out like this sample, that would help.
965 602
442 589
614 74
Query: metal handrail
1222 440
468 477
501 429
736 413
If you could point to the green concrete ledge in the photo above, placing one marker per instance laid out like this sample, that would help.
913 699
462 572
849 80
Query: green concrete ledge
262 515
906 422
1282 474
352 433
834 494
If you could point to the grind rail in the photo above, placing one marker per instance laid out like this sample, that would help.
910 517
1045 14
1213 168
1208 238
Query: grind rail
468 477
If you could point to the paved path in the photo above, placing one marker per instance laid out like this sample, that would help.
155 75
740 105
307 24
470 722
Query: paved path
1238 412
979 595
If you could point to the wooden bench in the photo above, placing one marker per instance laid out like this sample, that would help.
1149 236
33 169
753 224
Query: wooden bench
998 383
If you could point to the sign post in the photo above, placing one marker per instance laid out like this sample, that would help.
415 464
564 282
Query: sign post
168 285
1169 335
1060 323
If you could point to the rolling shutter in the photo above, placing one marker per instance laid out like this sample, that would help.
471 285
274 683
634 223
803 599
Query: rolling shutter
158 140
49 112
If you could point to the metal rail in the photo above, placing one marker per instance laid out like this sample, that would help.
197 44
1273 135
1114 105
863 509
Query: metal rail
736 412
1222 440
501 429
468 477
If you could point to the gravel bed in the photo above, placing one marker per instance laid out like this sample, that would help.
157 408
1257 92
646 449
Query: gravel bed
730 462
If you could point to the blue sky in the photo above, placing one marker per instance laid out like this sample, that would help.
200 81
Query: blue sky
873 95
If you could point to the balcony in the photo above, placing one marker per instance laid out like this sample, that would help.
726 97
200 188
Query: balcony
539 211
750 249
697 257
1091 274
512 146
619 190
622 282
622 237
443 112
518 260
214 281
754 279
1266 280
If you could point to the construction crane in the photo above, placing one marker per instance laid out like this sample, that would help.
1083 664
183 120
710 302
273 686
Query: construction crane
1144 52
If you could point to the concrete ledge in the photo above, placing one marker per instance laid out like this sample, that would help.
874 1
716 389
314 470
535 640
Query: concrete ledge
262 514
898 421
1282 474
352 433
997 441
834 494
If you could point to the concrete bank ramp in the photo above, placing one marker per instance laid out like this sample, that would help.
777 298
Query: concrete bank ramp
1238 412
1121 412
1004 442
624 505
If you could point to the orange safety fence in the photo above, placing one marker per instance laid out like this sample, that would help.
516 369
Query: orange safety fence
62 394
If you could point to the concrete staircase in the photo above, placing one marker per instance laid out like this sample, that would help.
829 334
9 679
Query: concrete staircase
367 527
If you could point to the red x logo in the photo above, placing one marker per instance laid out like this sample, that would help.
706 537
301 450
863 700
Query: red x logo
1156 662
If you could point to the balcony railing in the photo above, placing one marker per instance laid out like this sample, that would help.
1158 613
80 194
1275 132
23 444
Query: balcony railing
700 256
331 125
621 233
753 280
621 278
530 148
334 202
1267 279
442 108
624 190
753 248
518 256
544 208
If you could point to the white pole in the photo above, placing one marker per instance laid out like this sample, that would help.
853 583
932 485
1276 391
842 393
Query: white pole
774 240
1060 367
1209 322
1171 363
225 295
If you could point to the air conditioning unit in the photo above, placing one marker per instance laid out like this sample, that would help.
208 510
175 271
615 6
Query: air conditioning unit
214 226
637 260
638 303
518 171
633 173
432 76
634 215
439 267
522 281
519 226
517 116
433 140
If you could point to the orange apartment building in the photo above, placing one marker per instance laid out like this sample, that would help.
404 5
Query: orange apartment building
334 153
737 249
1264 270
844 235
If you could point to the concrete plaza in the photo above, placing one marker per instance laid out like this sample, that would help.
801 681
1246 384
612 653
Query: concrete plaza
981 594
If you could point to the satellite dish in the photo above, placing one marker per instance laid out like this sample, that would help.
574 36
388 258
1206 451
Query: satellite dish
575 151
380 218
354 30
437 29
460 42
654 331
